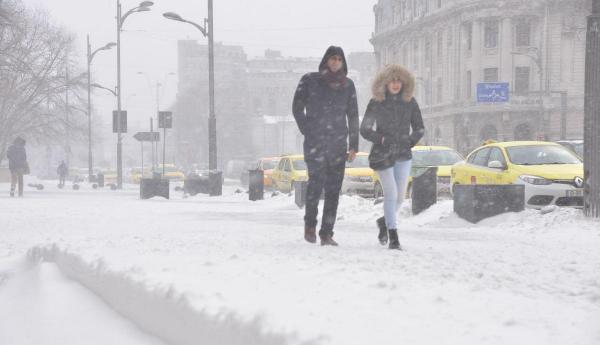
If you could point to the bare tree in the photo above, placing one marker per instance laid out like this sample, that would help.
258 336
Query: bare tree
34 65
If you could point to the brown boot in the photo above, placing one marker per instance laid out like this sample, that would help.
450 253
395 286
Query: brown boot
310 234
327 240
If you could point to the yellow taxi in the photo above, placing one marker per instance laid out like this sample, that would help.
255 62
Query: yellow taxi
290 169
135 174
358 177
110 176
171 172
424 157
551 174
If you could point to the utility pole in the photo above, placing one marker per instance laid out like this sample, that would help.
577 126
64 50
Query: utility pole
67 129
212 120
144 6
119 137
89 110
591 164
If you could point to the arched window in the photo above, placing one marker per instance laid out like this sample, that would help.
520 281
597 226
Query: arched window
523 132
488 132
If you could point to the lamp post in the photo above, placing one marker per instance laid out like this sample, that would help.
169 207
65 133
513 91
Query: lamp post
90 57
591 162
144 6
212 121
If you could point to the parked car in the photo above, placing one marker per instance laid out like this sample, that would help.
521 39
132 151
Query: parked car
551 174
110 176
289 170
171 172
358 177
267 165
424 157
573 145
135 174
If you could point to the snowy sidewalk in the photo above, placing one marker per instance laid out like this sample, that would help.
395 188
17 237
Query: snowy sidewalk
522 278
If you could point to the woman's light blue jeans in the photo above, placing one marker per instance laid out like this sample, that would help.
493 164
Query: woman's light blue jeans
393 181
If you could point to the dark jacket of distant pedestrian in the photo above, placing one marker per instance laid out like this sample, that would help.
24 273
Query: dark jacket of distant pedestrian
393 123
17 164
62 172
326 111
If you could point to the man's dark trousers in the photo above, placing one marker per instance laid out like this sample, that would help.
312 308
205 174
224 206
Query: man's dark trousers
328 174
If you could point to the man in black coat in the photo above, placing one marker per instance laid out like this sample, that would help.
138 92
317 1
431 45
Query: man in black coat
17 164
326 111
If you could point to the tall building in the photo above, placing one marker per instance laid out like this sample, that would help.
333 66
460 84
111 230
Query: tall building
192 104
537 47
273 80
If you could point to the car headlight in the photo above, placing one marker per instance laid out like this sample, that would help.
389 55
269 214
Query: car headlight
536 180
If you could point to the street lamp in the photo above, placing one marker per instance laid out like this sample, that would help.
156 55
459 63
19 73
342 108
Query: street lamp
207 31
90 57
144 6
98 86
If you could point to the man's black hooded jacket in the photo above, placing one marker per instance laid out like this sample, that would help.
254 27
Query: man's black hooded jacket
326 116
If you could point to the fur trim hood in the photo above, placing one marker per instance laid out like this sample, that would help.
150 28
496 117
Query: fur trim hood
387 75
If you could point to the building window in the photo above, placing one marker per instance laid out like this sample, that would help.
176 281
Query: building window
468 85
439 3
490 75
491 34
521 80
523 33
469 35
450 38
440 90
405 56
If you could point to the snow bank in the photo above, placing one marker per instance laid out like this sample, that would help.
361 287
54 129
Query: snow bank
162 312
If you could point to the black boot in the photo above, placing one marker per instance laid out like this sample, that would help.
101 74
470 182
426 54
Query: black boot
394 243
383 235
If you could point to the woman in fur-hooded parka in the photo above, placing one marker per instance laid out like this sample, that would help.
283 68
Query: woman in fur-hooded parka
393 123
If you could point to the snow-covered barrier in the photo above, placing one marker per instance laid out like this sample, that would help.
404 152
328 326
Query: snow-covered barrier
163 313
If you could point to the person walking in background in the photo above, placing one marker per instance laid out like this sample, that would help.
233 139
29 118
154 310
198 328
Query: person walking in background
17 164
326 112
389 118
62 172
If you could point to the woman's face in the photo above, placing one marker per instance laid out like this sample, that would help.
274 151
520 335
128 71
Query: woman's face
394 87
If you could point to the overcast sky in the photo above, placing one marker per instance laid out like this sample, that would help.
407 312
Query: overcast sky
149 41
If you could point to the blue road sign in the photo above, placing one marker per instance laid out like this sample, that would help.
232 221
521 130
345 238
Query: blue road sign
492 92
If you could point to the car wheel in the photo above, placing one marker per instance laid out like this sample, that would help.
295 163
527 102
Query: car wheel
378 190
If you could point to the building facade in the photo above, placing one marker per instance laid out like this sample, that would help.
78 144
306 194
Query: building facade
253 102
191 109
537 47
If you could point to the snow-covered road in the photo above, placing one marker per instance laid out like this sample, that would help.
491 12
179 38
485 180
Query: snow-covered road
229 271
